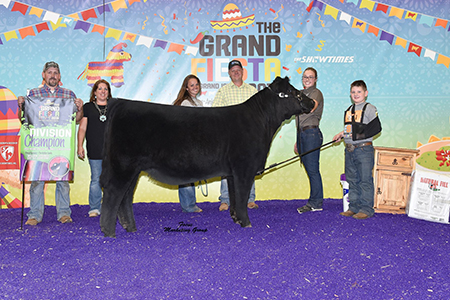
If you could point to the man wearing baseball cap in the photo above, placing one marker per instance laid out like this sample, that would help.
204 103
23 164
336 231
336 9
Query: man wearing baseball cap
235 92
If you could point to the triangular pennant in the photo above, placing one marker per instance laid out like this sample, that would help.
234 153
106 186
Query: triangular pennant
20 7
58 24
415 48
318 4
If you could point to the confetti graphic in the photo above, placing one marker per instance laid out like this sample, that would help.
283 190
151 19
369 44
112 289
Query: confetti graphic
164 25
322 43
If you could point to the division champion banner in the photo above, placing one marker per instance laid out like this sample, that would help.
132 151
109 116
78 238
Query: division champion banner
47 139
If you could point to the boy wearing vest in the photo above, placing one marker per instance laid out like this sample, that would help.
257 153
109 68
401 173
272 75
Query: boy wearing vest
361 123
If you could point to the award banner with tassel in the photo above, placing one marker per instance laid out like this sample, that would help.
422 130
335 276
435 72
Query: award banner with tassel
47 139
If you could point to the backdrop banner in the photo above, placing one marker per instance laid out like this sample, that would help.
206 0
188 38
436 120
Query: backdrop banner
48 139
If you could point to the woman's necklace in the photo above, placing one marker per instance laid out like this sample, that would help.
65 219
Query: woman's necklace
101 112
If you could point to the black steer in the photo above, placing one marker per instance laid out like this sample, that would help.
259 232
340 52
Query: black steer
179 145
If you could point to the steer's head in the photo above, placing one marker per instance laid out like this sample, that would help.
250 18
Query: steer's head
284 90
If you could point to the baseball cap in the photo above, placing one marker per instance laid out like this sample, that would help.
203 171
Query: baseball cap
51 64
234 63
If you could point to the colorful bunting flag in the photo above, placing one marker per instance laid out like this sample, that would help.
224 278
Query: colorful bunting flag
144 40
444 60
24 32
415 48
426 20
42 26
160 44
331 11
396 12
401 42
99 29
104 8
87 14
20 7
116 5
441 22
430 54
114 33
367 4
411 15
175 48
385 36
82 25
373 29
36 12
382 7
359 24
129 36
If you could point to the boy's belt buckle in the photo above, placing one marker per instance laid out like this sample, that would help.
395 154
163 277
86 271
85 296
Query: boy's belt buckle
350 147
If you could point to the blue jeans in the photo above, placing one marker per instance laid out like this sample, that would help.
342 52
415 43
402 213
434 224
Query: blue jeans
225 197
95 190
306 141
358 174
37 200
186 193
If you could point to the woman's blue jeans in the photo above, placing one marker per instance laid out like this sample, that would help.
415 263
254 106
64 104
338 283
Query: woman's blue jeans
95 190
306 141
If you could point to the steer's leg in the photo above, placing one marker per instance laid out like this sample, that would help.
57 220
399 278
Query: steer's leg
125 213
239 199
232 196
114 191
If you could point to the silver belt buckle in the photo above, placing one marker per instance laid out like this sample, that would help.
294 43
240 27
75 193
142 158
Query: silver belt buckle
350 147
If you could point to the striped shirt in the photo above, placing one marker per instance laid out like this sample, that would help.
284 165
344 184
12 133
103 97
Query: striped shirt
231 94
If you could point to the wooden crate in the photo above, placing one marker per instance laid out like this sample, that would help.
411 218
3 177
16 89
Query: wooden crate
392 174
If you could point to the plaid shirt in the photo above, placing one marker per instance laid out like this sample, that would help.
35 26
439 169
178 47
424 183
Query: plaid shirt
45 92
230 94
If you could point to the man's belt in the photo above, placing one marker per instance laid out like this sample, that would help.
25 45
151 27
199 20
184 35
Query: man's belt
352 147
308 127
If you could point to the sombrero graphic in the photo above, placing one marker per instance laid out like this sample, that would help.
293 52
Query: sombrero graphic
232 18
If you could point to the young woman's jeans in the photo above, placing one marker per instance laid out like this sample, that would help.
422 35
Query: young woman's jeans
95 191
306 141
358 173
186 193
225 197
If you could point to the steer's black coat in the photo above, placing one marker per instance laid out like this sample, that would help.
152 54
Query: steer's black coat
179 145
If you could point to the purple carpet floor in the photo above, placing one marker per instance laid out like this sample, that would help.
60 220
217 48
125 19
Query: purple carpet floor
175 255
